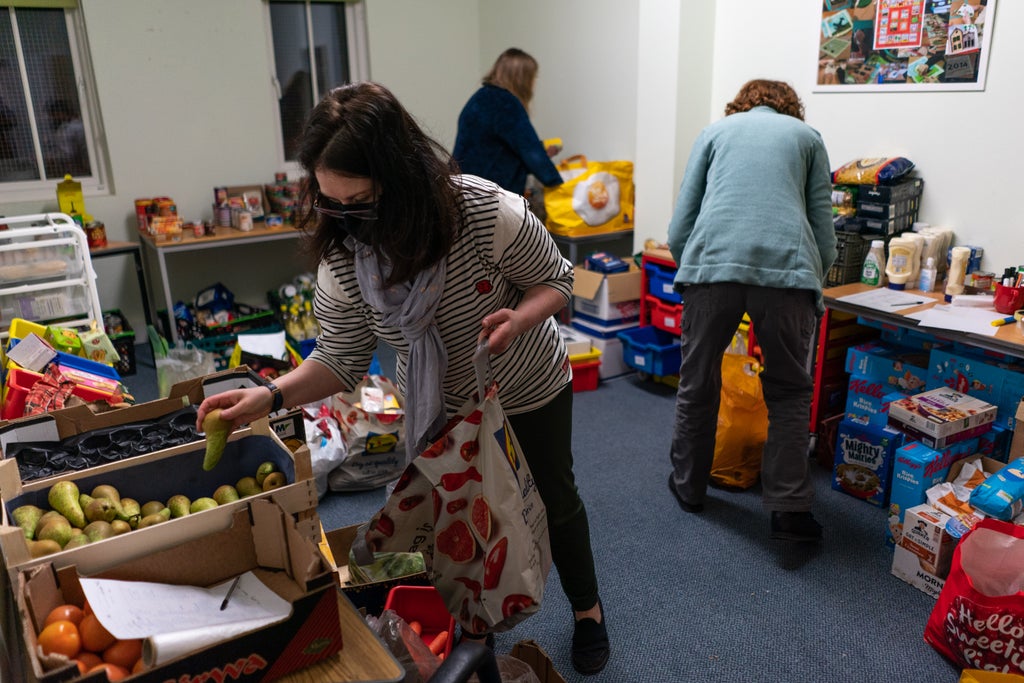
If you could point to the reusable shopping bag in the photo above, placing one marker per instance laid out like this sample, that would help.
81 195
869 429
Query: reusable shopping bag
594 197
978 619
374 437
742 424
470 505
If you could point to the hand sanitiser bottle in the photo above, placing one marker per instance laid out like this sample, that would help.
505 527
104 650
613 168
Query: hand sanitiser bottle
926 280
873 272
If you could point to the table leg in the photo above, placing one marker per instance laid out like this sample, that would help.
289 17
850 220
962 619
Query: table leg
140 273
172 333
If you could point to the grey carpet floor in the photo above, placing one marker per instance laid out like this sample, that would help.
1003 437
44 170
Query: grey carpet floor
709 597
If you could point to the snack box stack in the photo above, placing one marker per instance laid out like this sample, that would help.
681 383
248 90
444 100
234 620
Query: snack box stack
881 373
924 552
941 417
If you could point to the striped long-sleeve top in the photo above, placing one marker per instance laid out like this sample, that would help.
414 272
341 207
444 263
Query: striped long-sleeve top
502 251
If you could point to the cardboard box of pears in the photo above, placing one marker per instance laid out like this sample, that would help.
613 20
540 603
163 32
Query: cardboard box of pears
160 493
100 518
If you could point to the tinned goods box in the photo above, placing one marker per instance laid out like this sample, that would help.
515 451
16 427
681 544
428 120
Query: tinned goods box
940 417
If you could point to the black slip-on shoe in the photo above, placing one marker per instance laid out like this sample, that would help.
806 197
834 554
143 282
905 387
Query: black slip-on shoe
692 508
795 526
590 648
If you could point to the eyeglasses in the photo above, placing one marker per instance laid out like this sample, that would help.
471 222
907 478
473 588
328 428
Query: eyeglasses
326 206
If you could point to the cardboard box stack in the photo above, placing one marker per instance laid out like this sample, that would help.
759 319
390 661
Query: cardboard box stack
603 305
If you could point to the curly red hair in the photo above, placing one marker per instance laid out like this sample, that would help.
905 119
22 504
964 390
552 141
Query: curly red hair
763 93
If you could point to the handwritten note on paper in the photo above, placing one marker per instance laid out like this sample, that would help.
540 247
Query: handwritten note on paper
885 299
175 620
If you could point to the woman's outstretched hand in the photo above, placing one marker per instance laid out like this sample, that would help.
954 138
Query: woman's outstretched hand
238 406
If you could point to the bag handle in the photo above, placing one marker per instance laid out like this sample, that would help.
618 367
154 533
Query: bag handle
576 159
482 367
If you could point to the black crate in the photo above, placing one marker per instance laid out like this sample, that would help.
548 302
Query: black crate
123 341
907 189
887 209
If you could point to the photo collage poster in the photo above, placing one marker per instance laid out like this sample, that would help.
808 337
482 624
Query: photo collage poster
903 44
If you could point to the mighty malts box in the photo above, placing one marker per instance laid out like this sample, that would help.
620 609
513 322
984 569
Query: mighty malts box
941 416
863 460
262 539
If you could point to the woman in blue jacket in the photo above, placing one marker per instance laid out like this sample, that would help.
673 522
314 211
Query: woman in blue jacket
495 139
752 232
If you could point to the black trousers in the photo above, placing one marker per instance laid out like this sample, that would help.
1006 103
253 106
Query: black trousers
545 436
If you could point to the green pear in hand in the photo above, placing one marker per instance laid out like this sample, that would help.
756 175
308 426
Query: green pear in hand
217 432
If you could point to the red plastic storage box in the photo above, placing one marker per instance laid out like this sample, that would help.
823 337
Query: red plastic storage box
425 605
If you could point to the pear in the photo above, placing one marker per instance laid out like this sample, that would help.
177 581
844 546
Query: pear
263 470
47 516
248 486
151 508
106 491
58 530
274 480
178 505
45 547
27 517
225 494
155 518
63 498
98 530
120 527
129 510
77 541
84 499
101 509
200 504
217 432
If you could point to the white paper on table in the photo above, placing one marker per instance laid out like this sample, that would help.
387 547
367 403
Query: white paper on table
960 318
270 344
885 299
176 620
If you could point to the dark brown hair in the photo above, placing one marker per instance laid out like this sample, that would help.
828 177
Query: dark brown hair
775 94
362 131
515 71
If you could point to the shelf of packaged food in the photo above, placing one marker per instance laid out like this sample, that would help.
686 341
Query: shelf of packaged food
224 237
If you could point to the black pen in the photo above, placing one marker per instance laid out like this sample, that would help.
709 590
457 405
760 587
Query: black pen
908 303
224 604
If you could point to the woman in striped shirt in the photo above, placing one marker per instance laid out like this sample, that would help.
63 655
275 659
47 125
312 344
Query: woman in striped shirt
432 263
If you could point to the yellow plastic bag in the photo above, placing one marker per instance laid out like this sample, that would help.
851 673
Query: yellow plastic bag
594 197
742 424
979 676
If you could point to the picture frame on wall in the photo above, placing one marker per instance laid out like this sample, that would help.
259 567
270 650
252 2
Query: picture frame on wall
903 45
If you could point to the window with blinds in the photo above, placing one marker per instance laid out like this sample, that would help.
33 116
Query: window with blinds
47 120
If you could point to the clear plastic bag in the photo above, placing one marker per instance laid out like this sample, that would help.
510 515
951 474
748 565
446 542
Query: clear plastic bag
180 364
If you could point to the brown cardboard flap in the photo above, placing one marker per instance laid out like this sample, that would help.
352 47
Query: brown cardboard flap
987 464
663 254
532 653
621 286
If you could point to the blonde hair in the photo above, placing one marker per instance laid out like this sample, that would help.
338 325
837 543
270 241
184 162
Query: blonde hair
515 71
775 94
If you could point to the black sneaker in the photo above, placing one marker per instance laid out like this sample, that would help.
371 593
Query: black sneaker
795 526
590 647
693 508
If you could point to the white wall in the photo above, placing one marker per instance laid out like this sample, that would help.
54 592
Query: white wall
967 145
187 105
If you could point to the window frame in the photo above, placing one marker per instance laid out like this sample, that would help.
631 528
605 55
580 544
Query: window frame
98 184
358 63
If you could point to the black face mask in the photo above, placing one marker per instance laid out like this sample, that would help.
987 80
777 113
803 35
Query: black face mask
357 220
361 229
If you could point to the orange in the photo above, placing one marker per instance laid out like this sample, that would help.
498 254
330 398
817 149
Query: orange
95 638
114 672
70 613
87 660
124 653
60 637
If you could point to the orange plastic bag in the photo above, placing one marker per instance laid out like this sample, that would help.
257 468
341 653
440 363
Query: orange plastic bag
742 424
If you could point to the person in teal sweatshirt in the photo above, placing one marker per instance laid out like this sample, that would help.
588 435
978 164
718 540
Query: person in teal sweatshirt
752 232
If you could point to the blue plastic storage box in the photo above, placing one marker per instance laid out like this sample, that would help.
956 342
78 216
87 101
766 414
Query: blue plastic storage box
651 350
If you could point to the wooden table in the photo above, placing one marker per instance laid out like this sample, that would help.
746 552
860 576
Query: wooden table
1007 340
363 658
224 237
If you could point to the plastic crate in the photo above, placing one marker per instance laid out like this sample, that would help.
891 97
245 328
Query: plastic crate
650 350
425 605
20 381
586 370
123 341
665 316
660 283
852 247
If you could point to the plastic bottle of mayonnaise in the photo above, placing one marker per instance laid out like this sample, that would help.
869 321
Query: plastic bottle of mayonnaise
899 267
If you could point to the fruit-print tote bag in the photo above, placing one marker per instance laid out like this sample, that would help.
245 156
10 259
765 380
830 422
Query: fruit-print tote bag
978 619
470 505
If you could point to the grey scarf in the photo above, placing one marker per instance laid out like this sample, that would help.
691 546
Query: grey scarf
411 308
